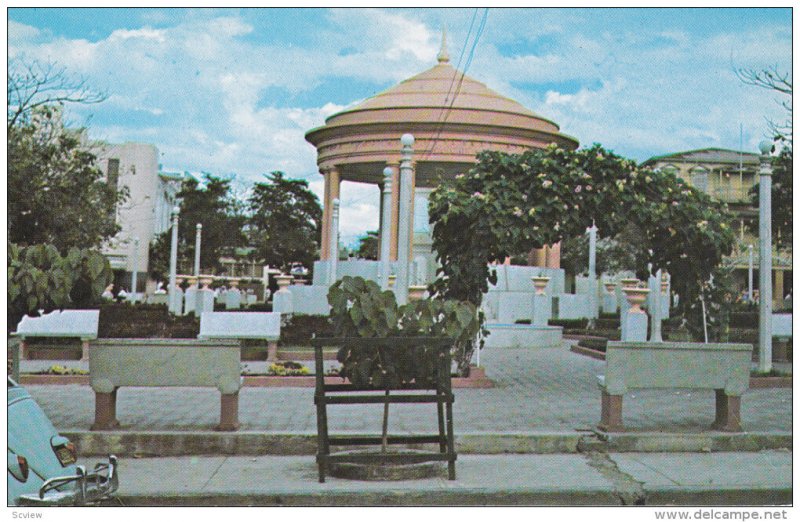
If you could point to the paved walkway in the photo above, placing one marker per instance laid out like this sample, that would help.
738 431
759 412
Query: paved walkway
551 390
751 479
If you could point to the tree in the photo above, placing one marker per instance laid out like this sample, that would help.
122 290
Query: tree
779 82
40 278
34 86
223 226
614 254
58 195
368 246
510 203
286 221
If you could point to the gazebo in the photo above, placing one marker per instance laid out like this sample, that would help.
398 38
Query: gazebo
452 117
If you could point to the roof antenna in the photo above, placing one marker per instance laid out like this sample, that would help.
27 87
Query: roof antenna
443 56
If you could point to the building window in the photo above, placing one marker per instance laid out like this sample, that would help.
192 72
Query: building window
699 177
112 172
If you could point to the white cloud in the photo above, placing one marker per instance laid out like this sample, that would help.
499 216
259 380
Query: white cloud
145 33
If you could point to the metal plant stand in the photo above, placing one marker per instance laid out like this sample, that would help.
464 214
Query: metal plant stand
439 392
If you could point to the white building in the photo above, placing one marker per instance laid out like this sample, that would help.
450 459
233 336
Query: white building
146 212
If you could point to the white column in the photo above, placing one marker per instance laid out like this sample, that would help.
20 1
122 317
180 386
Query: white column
135 275
750 274
174 304
593 301
405 221
765 258
655 324
386 228
333 237
197 249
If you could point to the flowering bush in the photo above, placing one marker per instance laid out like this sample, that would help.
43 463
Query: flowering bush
682 230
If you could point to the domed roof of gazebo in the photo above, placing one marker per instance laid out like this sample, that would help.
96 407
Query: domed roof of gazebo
452 117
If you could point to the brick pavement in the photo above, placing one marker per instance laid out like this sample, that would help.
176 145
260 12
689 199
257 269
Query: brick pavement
536 390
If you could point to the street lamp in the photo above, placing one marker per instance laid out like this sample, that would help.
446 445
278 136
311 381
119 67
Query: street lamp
765 258
197 249
134 277
173 262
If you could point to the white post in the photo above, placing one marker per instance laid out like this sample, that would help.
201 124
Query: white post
750 274
333 237
386 228
593 271
173 263
197 249
404 228
655 328
765 258
135 275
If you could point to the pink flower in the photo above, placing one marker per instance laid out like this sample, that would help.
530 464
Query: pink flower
578 189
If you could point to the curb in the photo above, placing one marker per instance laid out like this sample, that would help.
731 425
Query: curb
164 444
668 496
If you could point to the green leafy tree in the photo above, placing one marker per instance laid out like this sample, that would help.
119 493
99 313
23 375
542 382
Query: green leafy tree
614 255
512 203
40 278
58 195
211 205
368 246
285 225
781 198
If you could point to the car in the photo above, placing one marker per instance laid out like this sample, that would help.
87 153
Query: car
298 270
42 465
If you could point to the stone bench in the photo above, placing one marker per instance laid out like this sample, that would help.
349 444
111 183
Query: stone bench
114 363
243 325
79 324
722 367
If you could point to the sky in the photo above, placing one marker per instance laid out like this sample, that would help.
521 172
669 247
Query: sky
233 91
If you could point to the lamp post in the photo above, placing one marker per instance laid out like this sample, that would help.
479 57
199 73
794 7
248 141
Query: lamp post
386 227
750 273
135 274
173 261
593 270
765 258
197 249
404 228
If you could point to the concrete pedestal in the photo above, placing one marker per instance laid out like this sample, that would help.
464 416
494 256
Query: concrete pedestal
634 326
542 309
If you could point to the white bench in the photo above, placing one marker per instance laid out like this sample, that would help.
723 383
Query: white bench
114 363
723 367
243 325
79 324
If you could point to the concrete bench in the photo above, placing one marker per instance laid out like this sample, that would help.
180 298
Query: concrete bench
243 325
722 367
79 324
114 363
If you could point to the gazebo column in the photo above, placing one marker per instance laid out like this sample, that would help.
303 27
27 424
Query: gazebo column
554 256
386 226
406 219
395 209
332 186
538 257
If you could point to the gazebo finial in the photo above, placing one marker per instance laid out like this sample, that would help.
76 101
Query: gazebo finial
443 56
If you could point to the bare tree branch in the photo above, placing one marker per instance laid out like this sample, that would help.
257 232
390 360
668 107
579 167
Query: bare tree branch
36 84
774 80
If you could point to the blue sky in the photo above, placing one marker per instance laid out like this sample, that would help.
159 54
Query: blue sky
233 91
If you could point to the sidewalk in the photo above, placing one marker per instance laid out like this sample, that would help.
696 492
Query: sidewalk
762 478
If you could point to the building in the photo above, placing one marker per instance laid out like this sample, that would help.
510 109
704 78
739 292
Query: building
146 212
729 176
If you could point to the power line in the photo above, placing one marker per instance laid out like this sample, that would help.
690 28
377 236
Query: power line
447 112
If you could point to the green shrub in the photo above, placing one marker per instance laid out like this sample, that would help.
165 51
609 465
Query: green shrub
594 344
744 319
569 323
359 308
300 328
